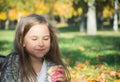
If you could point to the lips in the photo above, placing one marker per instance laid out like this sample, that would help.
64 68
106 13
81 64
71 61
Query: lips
40 49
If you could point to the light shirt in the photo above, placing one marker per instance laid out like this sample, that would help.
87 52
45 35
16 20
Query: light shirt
42 75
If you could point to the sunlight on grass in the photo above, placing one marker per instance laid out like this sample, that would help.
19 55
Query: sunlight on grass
108 33
7 35
6 41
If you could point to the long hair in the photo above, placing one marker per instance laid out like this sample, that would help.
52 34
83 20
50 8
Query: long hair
54 55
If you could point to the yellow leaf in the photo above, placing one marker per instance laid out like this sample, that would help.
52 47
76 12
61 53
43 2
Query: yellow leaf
112 73
81 48
116 80
2 15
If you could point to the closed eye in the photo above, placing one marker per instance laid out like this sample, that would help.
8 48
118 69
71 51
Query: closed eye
46 38
34 38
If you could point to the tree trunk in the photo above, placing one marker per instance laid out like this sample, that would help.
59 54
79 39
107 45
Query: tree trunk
7 21
82 23
115 23
0 24
91 19
7 24
62 19
119 16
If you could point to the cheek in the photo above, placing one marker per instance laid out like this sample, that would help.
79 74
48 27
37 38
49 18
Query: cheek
48 44
29 45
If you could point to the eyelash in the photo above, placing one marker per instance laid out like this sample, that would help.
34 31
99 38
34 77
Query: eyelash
34 39
43 39
46 39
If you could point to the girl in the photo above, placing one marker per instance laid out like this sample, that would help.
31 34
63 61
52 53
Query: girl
36 50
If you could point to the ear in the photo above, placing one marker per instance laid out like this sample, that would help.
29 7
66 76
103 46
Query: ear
23 45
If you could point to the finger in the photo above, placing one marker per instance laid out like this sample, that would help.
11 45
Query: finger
60 76
61 69
60 79
60 66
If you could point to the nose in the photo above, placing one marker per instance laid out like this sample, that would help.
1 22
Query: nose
41 43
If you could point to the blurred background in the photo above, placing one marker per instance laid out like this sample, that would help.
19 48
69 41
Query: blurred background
88 32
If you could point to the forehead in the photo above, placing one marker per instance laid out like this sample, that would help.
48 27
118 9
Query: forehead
38 29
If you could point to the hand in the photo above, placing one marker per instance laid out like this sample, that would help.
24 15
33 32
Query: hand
61 76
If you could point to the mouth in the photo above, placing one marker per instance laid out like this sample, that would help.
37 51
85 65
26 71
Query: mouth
40 49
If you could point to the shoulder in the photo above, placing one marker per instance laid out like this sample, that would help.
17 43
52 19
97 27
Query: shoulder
12 55
11 60
9 67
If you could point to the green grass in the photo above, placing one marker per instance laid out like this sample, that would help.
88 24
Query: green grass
103 48
6 41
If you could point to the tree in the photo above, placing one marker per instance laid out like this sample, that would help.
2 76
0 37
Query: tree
4 7
63 10
91 18
111 4
92 11
18 5
115 24
83 4
92 14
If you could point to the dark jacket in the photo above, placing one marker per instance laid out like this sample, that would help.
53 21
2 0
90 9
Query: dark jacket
9 71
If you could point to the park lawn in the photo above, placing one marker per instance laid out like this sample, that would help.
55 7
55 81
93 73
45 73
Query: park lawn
91 58
94 57
6 41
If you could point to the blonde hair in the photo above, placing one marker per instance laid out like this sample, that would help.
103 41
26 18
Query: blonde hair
25 67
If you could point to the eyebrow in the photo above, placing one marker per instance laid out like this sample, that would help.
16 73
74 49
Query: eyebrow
43 36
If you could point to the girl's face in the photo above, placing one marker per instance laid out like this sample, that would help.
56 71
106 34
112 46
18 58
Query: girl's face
37 41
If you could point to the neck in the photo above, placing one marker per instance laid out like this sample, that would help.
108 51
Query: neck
37 64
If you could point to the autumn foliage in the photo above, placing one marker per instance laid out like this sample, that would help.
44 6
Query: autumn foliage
59 8
82 72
